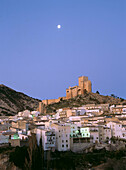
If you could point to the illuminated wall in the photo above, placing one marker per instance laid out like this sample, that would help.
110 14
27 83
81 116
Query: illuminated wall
85 132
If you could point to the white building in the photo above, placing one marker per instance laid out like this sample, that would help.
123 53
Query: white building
124 131
116 129
73 130
94 133
62 136
48 138
107 133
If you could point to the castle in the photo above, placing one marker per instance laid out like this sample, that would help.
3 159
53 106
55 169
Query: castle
84 84
71 92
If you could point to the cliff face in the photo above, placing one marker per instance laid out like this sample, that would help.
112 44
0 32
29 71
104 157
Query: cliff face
12 102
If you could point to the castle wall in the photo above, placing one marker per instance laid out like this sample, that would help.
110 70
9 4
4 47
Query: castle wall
87 86
79 91
42 108
68 93
75 91
50 101
62 98
71 92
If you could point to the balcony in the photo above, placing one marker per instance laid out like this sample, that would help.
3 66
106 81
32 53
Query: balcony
51 138
49 145
48 133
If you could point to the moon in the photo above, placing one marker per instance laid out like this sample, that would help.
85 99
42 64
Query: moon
58 26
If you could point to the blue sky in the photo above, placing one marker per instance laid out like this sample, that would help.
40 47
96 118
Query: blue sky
42 61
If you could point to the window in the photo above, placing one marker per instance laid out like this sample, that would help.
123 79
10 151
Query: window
66 135
62 141
59 130
62 146
66 140
59 136
67 146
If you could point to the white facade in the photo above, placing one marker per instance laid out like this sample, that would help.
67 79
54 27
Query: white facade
21 136
95 135
62 136
107 133
73 130
116 129
48 138
26 113
94 132
124 132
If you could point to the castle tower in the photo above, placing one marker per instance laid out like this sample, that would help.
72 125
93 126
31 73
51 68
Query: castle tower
42 108
81 80
84 84
69 93
88 86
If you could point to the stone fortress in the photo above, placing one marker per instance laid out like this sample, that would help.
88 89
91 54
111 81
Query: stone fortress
71 92
84 84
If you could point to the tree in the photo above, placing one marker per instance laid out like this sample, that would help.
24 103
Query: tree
112 95
35 155
97 92
18 156
121 99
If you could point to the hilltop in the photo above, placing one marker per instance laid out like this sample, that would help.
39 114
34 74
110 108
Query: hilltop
12 101
87 98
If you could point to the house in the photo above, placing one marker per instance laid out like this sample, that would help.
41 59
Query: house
116 129
117 109
48 138
94 133
62 136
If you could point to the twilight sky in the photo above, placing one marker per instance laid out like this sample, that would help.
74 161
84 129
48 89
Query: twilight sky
42 61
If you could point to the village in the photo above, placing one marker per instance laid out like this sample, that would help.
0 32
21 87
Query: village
77 129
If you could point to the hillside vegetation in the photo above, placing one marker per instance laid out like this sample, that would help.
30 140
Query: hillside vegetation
12 102
87 98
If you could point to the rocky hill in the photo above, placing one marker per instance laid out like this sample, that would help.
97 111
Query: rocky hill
87 98
12 102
